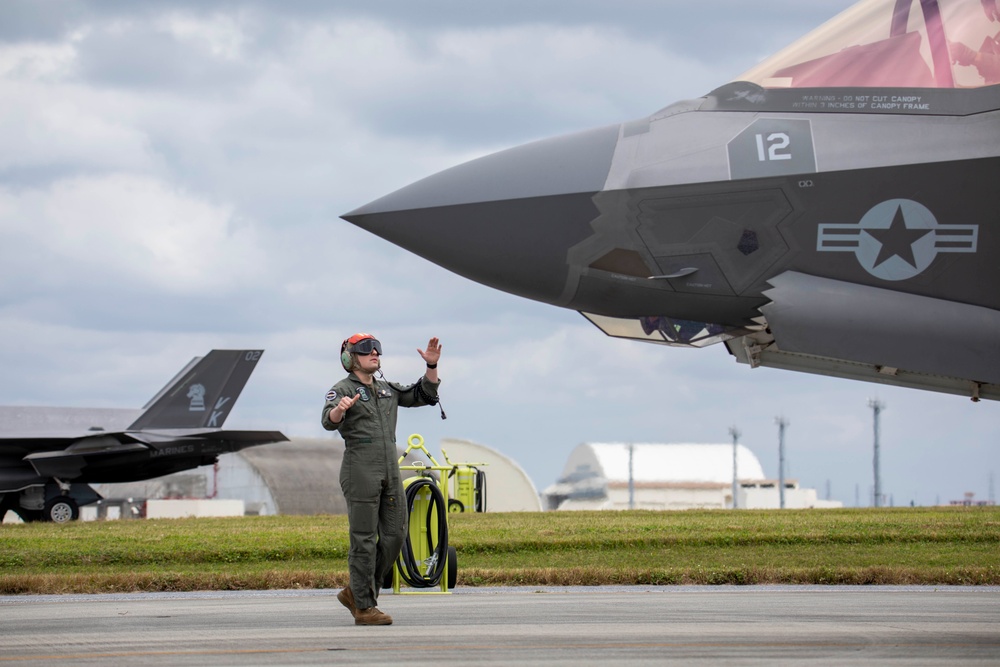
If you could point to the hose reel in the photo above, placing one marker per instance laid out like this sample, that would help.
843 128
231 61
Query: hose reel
434 515
425 556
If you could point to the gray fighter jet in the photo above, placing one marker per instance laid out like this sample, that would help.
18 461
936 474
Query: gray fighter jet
834 210
50 456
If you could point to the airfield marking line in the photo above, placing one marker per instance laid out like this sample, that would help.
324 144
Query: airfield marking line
739 645
484 647
153 654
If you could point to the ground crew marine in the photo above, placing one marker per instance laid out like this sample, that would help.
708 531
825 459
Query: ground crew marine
363 409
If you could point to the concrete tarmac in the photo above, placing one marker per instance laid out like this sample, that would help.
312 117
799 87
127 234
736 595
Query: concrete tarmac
629 625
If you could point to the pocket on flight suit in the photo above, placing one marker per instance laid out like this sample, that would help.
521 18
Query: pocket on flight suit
359 477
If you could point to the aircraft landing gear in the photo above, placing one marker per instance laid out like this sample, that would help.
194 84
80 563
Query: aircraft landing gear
56 501
61 509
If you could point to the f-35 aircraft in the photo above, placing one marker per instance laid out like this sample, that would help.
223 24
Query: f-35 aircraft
834 210
50 456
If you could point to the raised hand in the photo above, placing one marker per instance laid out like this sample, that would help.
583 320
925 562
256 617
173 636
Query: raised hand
433 353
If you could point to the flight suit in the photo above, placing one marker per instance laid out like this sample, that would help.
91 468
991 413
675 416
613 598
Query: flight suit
369 476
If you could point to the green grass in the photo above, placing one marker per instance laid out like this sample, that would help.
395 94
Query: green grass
849 546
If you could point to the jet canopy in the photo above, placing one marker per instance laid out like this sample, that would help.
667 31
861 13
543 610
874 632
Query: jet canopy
895 44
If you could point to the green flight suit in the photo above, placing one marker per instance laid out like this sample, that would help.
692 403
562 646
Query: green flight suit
369 476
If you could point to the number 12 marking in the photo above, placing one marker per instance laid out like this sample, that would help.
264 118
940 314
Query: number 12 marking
777 145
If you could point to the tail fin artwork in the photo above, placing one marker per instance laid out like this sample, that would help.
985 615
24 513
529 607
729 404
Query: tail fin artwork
201 395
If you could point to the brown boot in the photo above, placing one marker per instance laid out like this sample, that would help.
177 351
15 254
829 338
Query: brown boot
371 616
346 598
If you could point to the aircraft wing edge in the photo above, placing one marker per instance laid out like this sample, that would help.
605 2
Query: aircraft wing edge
166 436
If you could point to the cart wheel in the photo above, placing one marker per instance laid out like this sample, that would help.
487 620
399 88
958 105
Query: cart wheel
455 505
452 567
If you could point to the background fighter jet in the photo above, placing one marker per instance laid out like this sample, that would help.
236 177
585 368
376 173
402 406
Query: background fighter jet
49 456
835 210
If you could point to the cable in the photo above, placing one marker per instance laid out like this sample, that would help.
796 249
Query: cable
409 568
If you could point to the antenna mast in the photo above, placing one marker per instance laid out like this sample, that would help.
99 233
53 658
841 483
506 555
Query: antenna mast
877 406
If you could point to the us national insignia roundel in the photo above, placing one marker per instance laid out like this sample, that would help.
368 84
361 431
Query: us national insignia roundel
897 239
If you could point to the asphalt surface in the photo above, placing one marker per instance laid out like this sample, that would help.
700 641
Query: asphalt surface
634 625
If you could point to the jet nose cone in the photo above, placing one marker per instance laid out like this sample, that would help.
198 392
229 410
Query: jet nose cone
561 165
505 220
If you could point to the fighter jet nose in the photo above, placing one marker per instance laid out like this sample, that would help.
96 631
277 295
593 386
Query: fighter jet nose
562 165
505 220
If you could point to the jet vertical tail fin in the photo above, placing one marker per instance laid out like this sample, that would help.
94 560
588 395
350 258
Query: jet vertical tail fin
201 395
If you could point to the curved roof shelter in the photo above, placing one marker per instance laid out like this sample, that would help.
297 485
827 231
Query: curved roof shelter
302 476
509 489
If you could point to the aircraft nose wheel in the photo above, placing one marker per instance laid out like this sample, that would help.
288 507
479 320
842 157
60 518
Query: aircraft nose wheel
61 509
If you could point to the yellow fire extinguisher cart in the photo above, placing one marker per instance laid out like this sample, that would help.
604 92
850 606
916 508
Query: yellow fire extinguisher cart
426 563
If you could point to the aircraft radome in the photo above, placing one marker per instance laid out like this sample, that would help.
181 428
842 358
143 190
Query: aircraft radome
50 456
834 210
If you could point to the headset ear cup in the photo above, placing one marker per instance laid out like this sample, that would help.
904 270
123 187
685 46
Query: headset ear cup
345 360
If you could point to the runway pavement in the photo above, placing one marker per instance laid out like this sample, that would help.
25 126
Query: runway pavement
634 625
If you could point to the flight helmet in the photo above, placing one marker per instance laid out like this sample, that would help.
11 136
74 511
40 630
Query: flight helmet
359 343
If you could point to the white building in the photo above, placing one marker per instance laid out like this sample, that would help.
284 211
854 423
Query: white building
669 477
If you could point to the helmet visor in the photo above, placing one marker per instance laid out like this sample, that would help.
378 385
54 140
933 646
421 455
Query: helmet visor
366 345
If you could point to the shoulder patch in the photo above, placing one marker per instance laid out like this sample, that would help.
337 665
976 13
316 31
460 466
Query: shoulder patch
331 395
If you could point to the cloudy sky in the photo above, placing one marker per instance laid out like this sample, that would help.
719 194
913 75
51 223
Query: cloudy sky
172 175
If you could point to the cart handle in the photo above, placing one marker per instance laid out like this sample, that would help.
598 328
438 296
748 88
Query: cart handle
455 465
416 441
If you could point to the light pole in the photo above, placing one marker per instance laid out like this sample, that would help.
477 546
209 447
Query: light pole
631 477
733 431
782 423
877 406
